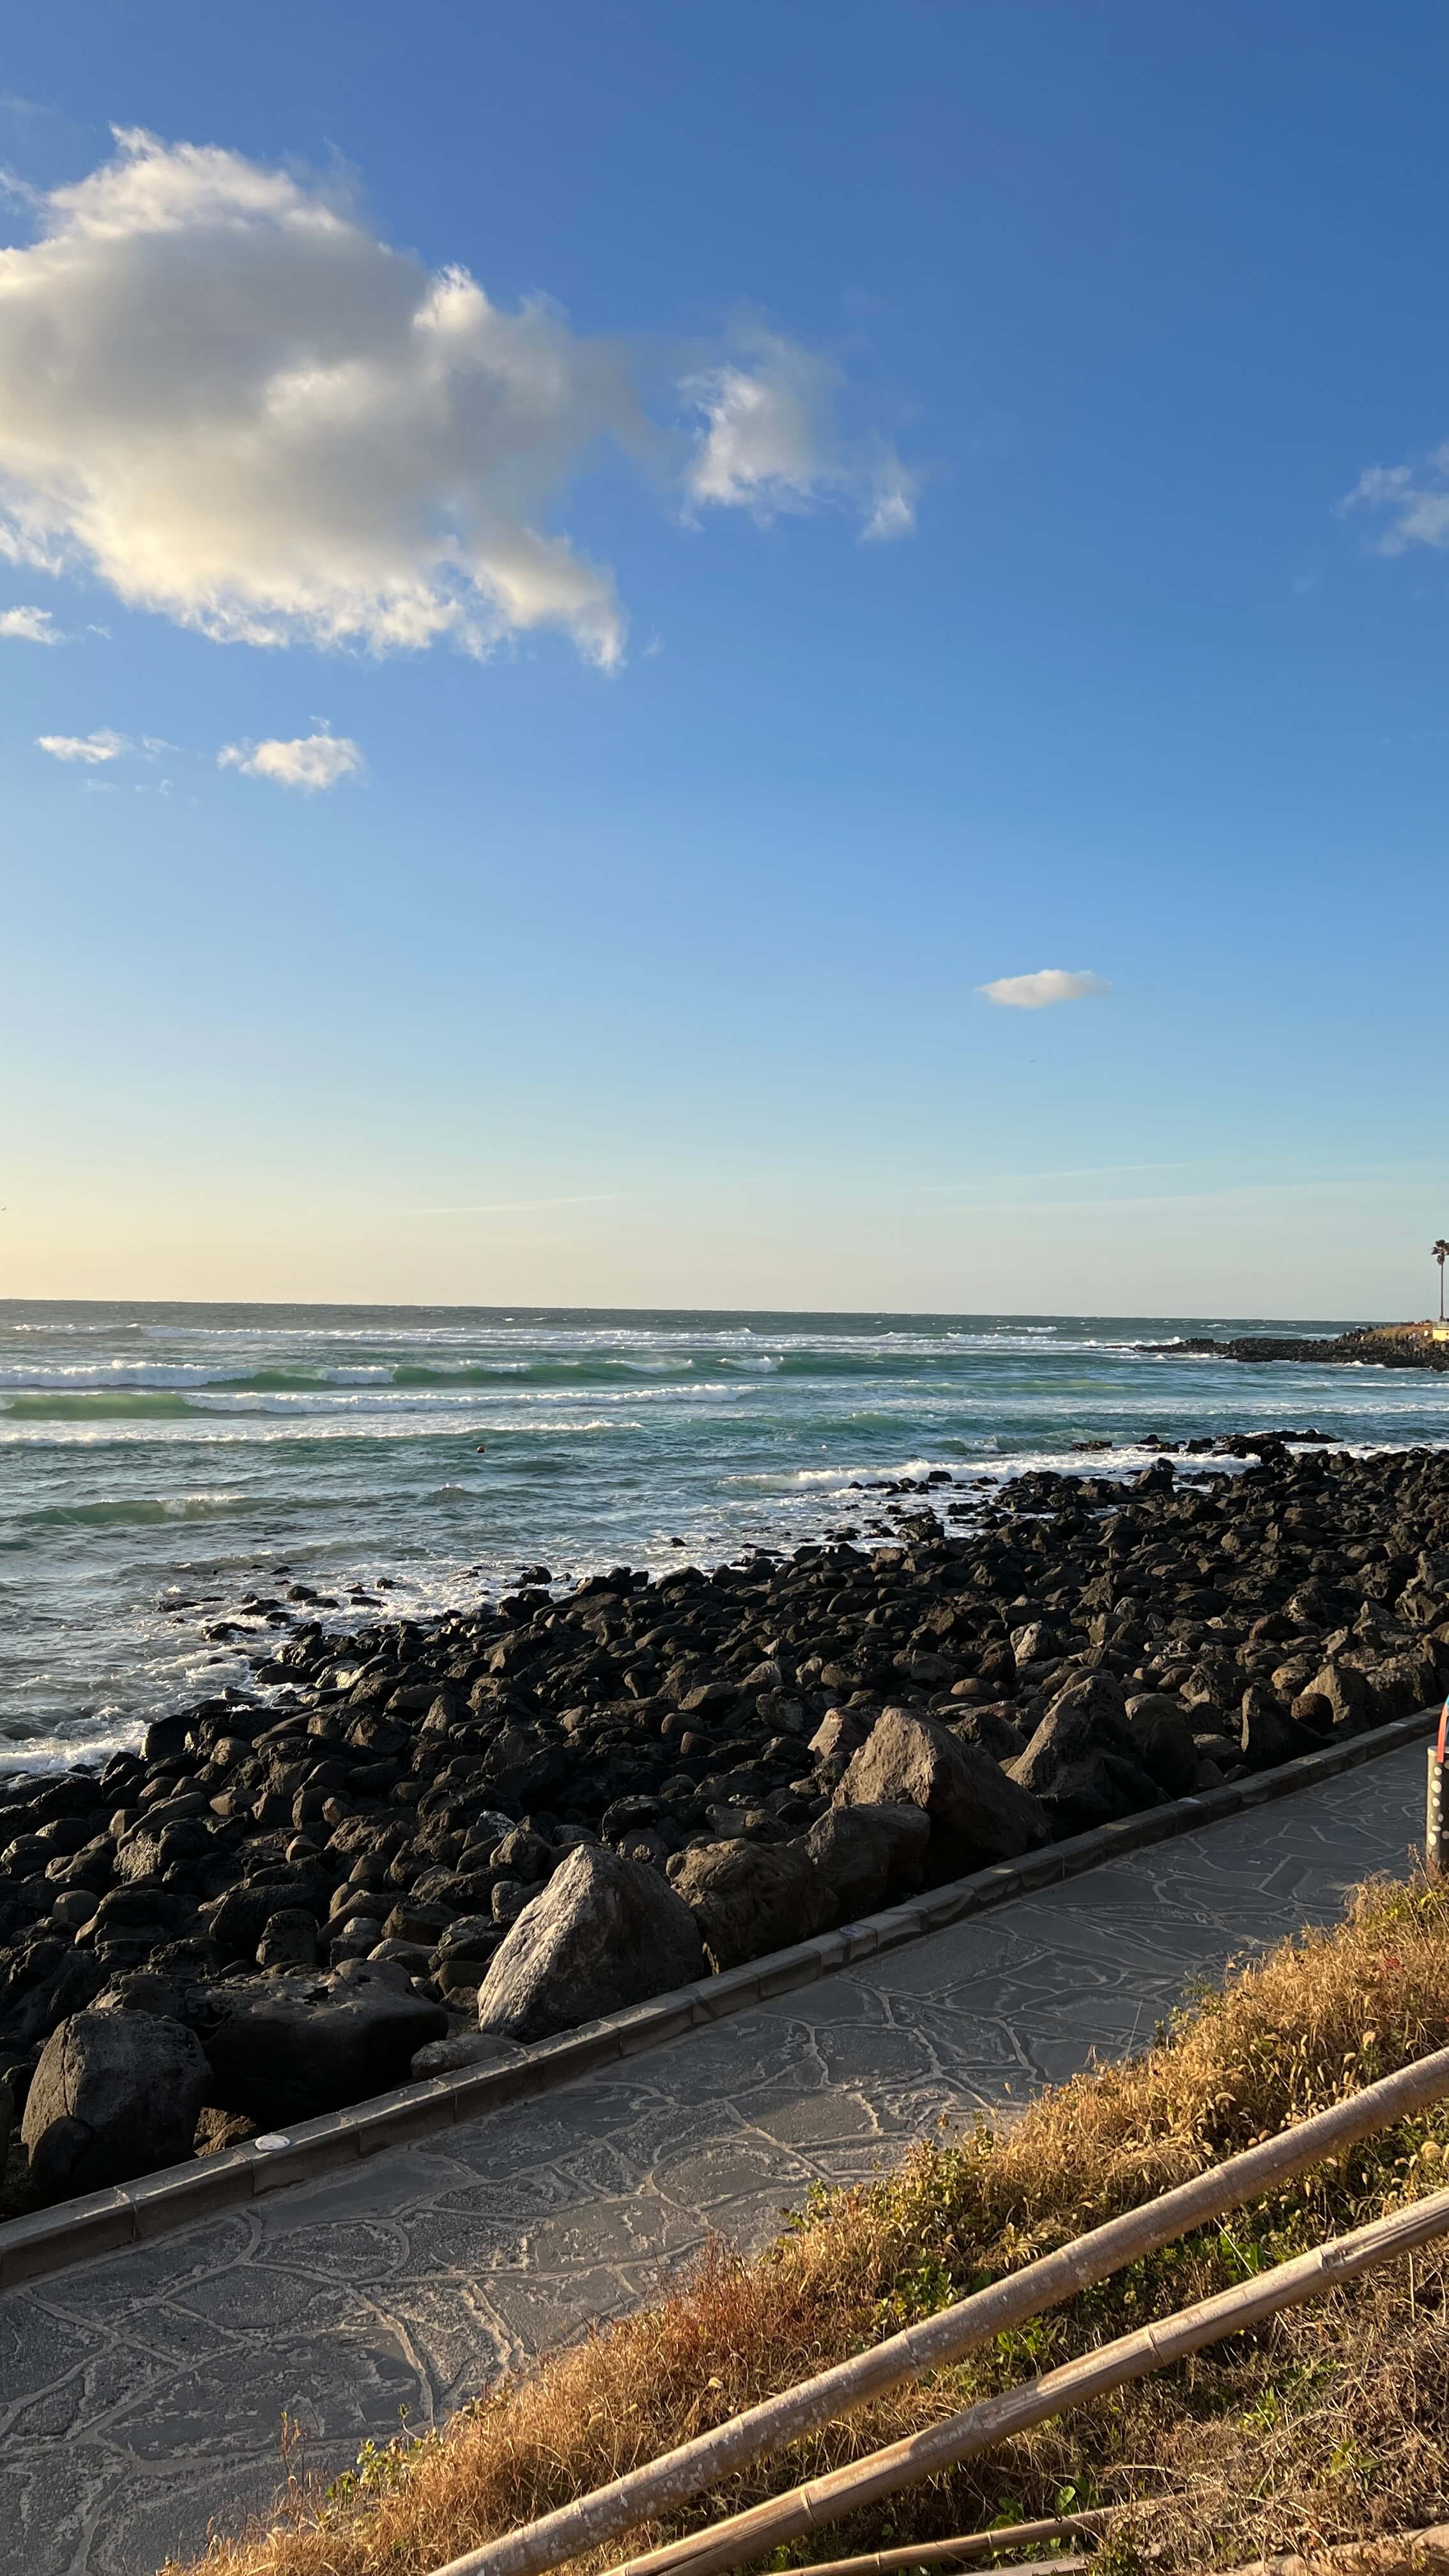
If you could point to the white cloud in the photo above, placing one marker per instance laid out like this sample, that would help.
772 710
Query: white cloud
768 442
221 392
30 626
92 748
313 760
1415 498
1037 992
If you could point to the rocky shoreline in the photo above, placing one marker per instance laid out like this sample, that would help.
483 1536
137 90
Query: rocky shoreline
429 1843
1371 1346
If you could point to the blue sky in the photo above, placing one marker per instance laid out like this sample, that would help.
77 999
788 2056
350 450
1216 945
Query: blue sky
638 960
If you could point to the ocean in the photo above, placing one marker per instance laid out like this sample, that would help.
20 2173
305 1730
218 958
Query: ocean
162 1467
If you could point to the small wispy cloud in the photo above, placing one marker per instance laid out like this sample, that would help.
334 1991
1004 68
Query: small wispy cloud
89 748
1414 499
1049 984
30 626
310 761
767 441
517 1207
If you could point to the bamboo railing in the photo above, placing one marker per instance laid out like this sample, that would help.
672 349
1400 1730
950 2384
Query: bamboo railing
1000 2419
660 2486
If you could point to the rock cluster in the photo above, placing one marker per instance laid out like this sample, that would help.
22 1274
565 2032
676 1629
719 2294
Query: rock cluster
1375 1345
543 1810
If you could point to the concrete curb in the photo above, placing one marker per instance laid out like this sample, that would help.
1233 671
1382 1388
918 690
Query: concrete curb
103 2222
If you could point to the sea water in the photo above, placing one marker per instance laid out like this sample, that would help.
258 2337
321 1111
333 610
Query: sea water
160 1465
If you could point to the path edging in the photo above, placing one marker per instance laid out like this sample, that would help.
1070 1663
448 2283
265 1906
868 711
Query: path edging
103 2222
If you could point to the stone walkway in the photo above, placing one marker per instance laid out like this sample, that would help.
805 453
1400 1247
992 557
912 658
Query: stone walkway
141 2396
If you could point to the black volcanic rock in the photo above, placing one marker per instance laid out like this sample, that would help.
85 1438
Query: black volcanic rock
1057 1650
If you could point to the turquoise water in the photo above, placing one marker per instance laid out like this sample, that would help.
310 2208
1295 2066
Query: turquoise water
158 1464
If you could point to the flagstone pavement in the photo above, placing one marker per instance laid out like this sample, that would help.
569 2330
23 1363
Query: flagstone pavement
141 2395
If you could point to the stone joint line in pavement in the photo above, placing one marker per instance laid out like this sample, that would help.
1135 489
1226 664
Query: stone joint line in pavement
141 2391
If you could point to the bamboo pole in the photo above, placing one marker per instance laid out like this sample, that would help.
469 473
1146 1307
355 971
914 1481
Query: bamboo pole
971 2544
1396 2553
1017 2410
659 2486
1025 2566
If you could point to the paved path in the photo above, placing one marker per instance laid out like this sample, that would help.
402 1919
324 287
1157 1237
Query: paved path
141 2395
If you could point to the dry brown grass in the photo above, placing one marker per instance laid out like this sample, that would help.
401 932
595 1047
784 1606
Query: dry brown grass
1319 2428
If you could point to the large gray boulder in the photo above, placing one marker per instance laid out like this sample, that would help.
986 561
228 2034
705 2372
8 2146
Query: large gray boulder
1088 1715
115 2094
289 2048
1337 1699
1083 1763
604 1933
977 1813
1268 1735
749 1897
865 1854
1403 1683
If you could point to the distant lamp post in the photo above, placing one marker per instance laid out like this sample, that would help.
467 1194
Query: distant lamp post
1441 1255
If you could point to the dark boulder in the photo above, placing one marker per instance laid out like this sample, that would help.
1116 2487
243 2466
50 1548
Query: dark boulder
1082 1762
978 1812
1338 1698
751 1897
604 1933
1268 1734
289 1939
46 1982
116 2094
1162 1741
989 1726
289 2048
863 1855
237 1920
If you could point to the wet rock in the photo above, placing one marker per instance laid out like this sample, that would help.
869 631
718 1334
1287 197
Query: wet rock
115 2095
604 1933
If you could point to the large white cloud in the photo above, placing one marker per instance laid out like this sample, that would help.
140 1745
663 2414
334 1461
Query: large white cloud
310 761
223 394
1049 984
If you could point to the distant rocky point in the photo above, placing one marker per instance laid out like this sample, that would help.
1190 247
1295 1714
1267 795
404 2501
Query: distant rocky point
1368 1345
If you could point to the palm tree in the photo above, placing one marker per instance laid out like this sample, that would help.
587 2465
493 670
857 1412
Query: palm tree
1441 1255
